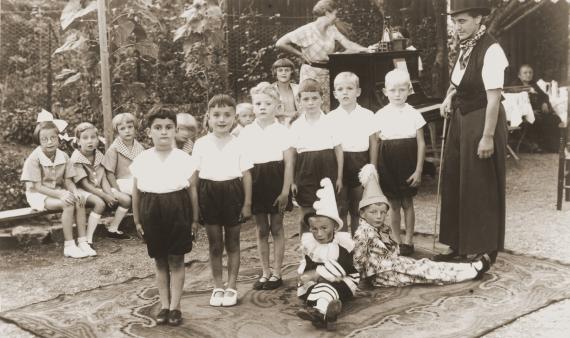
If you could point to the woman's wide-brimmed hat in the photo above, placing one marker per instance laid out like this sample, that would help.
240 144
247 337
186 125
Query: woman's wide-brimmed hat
460 6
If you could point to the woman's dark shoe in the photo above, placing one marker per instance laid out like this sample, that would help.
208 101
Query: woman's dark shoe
446 257
260 283
273 283
162 317
486 261
175 317
406 249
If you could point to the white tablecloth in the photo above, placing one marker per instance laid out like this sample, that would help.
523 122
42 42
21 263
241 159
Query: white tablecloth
517 106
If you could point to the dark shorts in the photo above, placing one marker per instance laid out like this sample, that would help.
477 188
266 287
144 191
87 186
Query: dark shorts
267 183
221 201
353 162
167 223
310 169
397 160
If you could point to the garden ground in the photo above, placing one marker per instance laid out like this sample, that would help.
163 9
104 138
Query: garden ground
37 273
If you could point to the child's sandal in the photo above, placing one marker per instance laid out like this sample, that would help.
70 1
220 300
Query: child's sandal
260 283
217 297
230 297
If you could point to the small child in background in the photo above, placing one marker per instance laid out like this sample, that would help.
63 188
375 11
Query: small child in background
355 126
327 276
116 162
94 188
376 253
224 194
268 145
186 132
164 206
401 154
283 71
245 116
319 149
48 176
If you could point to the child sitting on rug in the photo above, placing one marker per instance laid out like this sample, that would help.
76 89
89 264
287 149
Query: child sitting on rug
327 276
268 145
245 116
356 127
48 176
116 162
186 131
224 194
165 214
376 253
318 147
401 154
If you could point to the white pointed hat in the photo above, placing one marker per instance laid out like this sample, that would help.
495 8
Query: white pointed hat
325 205
45 116
368 177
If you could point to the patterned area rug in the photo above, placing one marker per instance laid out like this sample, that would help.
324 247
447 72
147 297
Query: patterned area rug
515 286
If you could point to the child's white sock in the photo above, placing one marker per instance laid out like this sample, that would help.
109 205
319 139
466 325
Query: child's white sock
69 243
92 225
119 215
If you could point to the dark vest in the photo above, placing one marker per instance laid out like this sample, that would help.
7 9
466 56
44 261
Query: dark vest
471 93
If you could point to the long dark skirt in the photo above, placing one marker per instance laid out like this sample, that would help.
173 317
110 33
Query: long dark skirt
166 220
473 189
267 184
397 160
311 167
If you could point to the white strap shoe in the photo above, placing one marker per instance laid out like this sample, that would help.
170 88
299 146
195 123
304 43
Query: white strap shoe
217 297
85 247
230 297
73 251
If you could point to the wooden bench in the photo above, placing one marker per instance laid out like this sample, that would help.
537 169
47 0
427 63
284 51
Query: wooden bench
8 216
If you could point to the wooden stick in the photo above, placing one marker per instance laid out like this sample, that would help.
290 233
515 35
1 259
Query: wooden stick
439 181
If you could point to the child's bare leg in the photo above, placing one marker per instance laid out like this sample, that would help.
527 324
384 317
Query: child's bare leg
163 281
66 215
278 234
353 199
263 242
80 220
177 274
344 206
232 248
302 226
395 218
216 244
409 219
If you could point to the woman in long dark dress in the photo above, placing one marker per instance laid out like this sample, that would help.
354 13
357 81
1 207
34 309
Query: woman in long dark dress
473 186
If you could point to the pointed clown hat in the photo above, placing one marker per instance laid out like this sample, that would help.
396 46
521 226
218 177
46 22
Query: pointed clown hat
368 177
325 205
46 116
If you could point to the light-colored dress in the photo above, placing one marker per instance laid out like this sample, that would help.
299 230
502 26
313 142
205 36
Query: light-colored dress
376 255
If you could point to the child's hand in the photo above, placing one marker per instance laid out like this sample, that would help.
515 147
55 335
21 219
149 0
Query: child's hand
415 179
338 185
115 193
281 202
195 228
81 200
140 230
245 212
110 200
309 276
294 189
67 197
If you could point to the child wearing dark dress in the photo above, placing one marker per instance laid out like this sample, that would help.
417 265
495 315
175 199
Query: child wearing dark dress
268 144
327 276
401 154
164 213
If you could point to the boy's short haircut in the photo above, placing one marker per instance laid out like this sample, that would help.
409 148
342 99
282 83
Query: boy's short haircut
347 76
323 7
161 113
186 119
310 85
123 118
397 77
283 62
267 89
221 100
44 126
244 106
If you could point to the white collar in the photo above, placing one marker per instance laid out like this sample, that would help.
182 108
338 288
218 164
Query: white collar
125 151
329 251
45 161
78 157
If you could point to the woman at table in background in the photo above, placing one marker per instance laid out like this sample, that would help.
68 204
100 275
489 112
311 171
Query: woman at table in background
315 41
543 133
473 168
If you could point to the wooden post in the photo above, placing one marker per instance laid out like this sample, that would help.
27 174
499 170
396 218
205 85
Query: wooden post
105 75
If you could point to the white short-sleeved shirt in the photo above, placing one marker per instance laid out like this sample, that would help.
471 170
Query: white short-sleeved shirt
397 123
159 176
52 174
223 164
267 144
314 135
493 73
353 128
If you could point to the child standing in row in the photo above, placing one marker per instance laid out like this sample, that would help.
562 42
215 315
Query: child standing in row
163 210
268 145
186 131
376 253
48 175
318 148
245 116
401 154
116 162
356 127
283 71
224 194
